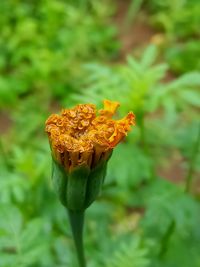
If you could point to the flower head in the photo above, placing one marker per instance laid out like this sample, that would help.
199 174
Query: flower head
79 136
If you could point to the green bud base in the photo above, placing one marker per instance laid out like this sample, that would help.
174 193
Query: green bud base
77 189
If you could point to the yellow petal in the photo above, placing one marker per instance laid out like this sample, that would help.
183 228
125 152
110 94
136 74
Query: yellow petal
110 108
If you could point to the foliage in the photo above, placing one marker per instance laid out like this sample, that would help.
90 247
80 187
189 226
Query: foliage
140 82
130 255
21 246
179 18
183 57
36 36
180 21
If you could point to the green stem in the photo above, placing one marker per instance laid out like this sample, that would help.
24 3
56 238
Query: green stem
133 9
141 123
4 156
77 222
192 163
166 239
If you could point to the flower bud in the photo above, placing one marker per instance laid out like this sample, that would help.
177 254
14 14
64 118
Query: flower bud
82 143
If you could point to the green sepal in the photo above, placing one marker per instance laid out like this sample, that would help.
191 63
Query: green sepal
59 178
95 182
77 187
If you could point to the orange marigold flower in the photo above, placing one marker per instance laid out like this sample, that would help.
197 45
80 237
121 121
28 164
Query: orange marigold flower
78 136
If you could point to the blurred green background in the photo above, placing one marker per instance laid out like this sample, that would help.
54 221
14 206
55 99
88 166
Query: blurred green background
144 54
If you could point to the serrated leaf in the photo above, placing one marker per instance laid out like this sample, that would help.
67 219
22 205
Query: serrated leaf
186 80
149 56
130 254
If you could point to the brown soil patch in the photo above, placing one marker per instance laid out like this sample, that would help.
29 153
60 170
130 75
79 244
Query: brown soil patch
5 122
174 172
170 76
134 34
54 106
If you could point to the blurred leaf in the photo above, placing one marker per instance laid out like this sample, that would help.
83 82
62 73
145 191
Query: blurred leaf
130 254
20 247
149 56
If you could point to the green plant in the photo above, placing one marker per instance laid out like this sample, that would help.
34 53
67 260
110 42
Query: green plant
43 43
81 144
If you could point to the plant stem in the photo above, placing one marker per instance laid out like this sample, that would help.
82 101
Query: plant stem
133 9
141 123
4 156
77 222
192 162
166 239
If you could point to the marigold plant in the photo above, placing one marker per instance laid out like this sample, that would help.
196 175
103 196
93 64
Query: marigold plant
81 143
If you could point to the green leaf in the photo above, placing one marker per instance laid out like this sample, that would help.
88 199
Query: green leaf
149 56
130 254
21 245
187 80
191 97
60 180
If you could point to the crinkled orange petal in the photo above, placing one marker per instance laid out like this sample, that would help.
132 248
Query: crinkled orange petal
83 136
110 108
121 128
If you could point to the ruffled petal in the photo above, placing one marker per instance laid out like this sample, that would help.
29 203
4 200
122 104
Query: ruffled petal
85 137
